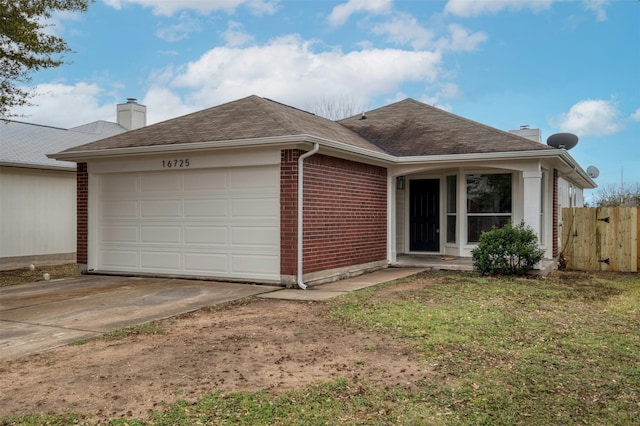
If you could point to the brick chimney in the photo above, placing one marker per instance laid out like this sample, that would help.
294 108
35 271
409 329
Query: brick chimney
132 115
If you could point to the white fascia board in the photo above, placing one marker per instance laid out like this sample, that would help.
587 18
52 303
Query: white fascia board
572 168
184 147
457 158
71 168
235 143
576 172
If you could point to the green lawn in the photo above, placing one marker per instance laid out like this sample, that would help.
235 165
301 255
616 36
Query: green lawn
555 351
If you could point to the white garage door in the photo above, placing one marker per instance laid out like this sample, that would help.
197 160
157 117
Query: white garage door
207 222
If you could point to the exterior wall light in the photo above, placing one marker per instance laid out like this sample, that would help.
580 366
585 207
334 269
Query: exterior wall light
400 182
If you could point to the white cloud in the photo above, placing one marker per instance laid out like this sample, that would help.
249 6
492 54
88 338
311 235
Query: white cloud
636 115
449 91
181 30
341 13
169 7
403 28
469 8
163 104
461 40
235 37
598 7
288 70
591 117
67 106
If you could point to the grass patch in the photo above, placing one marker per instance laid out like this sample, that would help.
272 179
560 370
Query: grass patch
561 350
338 402
146 329
518 351
43 419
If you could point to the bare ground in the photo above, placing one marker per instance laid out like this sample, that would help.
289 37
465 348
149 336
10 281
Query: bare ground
270 345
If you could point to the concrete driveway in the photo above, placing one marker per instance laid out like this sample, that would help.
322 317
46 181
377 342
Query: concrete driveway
40 316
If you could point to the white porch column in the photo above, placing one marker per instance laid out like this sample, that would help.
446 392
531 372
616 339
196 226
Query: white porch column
532 199
391 219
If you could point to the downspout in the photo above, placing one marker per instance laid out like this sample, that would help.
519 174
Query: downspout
301 159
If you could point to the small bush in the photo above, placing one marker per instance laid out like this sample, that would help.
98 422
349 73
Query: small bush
510 250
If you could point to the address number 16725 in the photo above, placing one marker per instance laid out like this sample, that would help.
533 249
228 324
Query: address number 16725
168 164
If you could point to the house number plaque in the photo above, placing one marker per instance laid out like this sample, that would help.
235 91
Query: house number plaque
177 163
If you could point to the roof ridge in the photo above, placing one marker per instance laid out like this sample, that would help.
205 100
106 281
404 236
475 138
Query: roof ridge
462 118
277 116
6 120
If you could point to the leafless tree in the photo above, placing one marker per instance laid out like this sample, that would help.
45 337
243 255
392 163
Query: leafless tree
337 107
623 195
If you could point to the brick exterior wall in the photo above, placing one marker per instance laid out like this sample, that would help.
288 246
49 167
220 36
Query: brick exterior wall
82 199
556 251
345 213
289 211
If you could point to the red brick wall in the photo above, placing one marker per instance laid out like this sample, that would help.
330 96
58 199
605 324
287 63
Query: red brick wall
289 211
82 199
345 213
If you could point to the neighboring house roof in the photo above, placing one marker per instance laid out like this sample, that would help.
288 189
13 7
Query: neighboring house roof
27 145
248 118
411 128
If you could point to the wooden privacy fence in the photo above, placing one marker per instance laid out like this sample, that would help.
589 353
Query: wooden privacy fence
601 238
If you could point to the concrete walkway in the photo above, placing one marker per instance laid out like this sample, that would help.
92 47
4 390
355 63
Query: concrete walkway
327 291
44 315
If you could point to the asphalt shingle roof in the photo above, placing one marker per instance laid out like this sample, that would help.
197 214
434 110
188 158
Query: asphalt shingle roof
247 118
405 128
412 128
27 145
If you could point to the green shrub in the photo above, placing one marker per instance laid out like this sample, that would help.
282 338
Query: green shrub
510 250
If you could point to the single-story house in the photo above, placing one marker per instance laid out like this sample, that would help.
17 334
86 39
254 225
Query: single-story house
38 194
254 190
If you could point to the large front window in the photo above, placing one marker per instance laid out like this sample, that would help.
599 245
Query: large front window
488 203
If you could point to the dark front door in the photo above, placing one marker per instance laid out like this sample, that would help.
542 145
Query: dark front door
424 216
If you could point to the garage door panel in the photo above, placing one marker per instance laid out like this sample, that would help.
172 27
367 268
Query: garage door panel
209 222
121 184
251 207
209 235
252 264
119 258
119 234
206 263
206 180
164 208
206 208
161 234
253 236
154 182
165 261
120 209
257 177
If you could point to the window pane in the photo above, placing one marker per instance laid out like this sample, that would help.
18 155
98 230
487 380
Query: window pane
478 224
451 194
489 193
451 229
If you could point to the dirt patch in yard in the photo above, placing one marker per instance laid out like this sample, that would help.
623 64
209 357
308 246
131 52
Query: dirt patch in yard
271 345
27 275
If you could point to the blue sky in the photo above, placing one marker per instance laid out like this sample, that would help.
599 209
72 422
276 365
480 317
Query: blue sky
561 66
